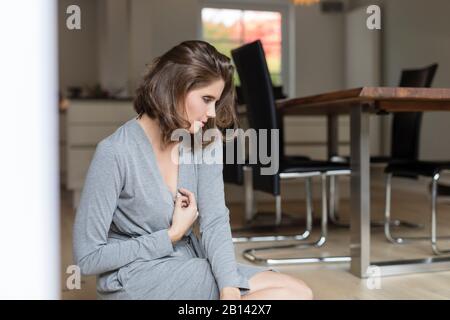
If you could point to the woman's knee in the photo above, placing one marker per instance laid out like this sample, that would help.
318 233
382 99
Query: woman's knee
297 288
291 293
303 292
292 287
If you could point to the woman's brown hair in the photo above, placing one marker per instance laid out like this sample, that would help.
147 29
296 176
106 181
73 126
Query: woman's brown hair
187 66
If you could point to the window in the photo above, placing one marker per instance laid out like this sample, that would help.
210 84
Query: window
227 29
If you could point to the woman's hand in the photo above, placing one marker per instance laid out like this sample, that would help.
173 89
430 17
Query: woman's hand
230 293
184 214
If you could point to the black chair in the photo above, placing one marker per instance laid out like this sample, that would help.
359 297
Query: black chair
405 135
405 162
278 93
430 169
236 171
406 125
234 174
233 171
262 115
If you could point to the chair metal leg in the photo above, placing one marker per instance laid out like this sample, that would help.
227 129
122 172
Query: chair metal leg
334 201
302 236
250 201
250 254
434 237
334 196
277 210
309 208
334 217
387 211
334 204
387 217
250 205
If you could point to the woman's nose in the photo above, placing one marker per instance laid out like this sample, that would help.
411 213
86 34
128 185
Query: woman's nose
211 111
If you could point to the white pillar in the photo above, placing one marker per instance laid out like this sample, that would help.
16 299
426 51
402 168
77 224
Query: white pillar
29 193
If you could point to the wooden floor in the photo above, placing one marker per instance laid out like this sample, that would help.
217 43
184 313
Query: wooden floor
328 281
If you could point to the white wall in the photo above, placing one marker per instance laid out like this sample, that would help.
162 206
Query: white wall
78 63
363 51
417 33
141 39
319 50
156 26
113 45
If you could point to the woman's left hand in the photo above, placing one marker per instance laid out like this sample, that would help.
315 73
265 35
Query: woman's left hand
230 293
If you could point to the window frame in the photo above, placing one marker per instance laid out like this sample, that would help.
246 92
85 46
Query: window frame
285 8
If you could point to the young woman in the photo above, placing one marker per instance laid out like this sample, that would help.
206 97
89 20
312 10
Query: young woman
134 224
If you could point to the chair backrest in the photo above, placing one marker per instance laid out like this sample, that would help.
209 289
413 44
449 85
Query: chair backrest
257 91
256 85
419 78
406 125
278 93
232 172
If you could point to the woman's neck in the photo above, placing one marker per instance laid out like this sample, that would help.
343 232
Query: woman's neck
152 128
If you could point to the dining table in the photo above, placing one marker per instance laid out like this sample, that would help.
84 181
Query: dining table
359 104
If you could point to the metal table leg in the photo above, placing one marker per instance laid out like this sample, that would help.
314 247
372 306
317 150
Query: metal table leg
360 210
360 190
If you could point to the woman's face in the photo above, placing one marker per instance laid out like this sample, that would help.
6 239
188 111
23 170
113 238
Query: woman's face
200 104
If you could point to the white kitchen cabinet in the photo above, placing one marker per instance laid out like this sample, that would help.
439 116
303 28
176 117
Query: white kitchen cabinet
87 122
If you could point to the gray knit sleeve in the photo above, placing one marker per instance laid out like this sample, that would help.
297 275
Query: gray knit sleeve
98 202
214 221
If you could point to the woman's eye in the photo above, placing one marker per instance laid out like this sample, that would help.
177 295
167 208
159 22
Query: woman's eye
207 100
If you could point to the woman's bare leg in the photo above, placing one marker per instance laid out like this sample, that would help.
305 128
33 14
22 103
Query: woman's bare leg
269 285
274 294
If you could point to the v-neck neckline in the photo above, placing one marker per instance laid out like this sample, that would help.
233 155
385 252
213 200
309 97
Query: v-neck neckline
148 142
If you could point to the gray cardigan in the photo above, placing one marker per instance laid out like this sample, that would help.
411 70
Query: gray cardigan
120 231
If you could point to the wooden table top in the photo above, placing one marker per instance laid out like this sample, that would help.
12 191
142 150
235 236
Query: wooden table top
380 99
